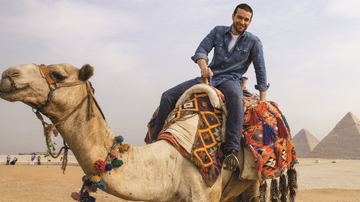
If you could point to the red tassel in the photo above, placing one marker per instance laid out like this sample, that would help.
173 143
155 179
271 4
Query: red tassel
248 139
253 120
281 128
259 164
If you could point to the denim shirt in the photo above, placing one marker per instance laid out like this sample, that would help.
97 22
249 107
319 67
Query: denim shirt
233 64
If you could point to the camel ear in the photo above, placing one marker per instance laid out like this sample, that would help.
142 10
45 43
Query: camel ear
86 72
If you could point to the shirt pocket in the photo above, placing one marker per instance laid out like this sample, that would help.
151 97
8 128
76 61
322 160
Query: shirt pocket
242 53
219 48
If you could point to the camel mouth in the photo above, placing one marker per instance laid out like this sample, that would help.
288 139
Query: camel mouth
8 91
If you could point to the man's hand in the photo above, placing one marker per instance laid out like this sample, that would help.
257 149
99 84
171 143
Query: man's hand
205 70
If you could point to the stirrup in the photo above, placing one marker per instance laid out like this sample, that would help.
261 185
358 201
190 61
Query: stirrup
231 162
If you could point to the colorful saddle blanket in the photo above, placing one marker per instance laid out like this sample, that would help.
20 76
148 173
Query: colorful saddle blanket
265 132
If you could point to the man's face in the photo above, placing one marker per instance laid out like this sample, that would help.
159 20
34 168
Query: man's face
241 21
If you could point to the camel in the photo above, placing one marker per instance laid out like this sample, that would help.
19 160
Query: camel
155 172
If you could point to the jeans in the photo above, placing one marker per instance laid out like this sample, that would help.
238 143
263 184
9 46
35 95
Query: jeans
235 106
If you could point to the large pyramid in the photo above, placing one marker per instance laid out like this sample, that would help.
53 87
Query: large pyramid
304 143
343 142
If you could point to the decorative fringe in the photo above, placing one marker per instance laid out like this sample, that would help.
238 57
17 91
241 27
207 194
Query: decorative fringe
292 183
100 184
114 153
254 117
274 191
90 189
289 147
248 139
117 162
281 127
99 166
108 167
95 179
259 164
124 148
87 182
119 139
76 196
283 188
263 187
274 104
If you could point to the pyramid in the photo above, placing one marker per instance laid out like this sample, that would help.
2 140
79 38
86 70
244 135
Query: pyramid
304 143
342 142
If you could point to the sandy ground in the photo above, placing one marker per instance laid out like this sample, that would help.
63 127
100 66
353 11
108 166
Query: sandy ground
324 181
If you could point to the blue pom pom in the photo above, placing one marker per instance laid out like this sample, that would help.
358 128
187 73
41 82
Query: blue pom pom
108 167
100 184
90 199
119 139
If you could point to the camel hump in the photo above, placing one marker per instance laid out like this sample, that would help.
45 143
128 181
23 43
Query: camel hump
215 95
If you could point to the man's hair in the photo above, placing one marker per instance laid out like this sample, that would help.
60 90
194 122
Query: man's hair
244 7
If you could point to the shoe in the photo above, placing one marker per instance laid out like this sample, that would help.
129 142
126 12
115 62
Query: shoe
231 161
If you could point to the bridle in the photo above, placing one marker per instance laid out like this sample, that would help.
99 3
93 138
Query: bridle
48 128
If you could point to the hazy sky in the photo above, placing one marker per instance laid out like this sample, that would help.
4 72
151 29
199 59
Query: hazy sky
140 48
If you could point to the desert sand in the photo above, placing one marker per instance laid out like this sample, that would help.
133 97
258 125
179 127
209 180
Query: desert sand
324 181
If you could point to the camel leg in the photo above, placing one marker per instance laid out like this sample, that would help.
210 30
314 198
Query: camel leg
251 194
236 190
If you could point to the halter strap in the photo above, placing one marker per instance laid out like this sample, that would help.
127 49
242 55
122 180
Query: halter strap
46 74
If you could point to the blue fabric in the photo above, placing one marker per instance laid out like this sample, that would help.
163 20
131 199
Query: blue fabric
233 64
235 119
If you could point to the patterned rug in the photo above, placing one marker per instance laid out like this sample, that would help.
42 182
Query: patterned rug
205 150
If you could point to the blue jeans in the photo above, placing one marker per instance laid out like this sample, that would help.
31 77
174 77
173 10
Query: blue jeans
235 106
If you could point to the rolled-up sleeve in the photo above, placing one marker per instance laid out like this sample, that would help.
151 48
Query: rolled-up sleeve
205 47
257 56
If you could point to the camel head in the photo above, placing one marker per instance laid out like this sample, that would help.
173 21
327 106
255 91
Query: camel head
30 84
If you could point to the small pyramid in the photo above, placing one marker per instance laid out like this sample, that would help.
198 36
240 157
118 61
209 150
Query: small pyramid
342 142
304 143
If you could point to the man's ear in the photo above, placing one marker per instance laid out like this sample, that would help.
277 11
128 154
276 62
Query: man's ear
86 72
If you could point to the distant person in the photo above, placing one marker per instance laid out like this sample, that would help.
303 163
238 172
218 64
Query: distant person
39 160
13 161
32 159
8 159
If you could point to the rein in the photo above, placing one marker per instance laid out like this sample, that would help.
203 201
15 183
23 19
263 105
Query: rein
48 128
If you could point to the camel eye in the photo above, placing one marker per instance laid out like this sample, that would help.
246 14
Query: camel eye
15 74
58 76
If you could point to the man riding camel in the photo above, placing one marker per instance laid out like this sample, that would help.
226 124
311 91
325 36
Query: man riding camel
234 50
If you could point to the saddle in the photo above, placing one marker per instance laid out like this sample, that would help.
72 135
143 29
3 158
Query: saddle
196 128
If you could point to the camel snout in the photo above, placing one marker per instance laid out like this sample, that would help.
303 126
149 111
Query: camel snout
5 85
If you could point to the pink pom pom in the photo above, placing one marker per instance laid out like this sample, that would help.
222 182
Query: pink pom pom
90 189
76 196
114 153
